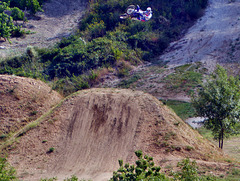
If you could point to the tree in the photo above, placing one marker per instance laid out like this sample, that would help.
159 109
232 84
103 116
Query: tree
6 26
218 101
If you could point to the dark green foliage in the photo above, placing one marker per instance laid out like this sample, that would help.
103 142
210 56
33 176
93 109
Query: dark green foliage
4 6
32 6
17 14
219 102
73 178
144 170
7 173
6 26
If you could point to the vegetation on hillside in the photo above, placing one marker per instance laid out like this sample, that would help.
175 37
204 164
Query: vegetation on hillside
104 42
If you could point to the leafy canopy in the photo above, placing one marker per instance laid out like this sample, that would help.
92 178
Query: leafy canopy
218 101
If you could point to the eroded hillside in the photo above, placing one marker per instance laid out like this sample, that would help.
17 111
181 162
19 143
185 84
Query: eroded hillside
94 128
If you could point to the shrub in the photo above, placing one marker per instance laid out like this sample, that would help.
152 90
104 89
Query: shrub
17 14
7 172
6 26
188 170
96 30
144 170
51 150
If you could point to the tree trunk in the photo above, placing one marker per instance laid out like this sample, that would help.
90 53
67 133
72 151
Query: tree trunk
219 140
222 131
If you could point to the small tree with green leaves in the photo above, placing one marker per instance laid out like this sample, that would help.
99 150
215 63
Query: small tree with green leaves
6 26
7 172
218 101
144 170
17 14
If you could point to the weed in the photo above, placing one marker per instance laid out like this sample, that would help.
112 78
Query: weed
33 113
235 171
128 82
49 179
50 150
169 135
189 148
177 123
3 136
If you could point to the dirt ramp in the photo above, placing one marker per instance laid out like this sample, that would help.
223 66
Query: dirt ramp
94 128
23 100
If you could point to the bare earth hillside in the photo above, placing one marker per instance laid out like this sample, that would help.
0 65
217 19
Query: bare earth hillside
215 38
94 128
22 100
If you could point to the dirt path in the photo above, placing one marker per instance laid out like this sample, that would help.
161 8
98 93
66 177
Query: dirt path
59 19
211 39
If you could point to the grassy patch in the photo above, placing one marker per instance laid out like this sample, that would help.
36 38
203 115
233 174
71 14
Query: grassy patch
185 78
128 82
183 109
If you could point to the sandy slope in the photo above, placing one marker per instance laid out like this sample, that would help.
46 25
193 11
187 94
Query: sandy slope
23 100
94 128
210 40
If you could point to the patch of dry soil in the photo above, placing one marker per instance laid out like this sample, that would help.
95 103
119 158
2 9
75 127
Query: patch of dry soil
59 19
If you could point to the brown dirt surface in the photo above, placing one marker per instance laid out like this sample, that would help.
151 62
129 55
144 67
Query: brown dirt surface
23 100
59 19
92 129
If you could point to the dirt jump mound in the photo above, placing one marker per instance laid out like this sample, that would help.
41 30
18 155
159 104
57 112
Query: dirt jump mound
87 134
23 100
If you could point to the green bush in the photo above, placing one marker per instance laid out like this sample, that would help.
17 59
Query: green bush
17 14
4 6
6 26
144 170
7 172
